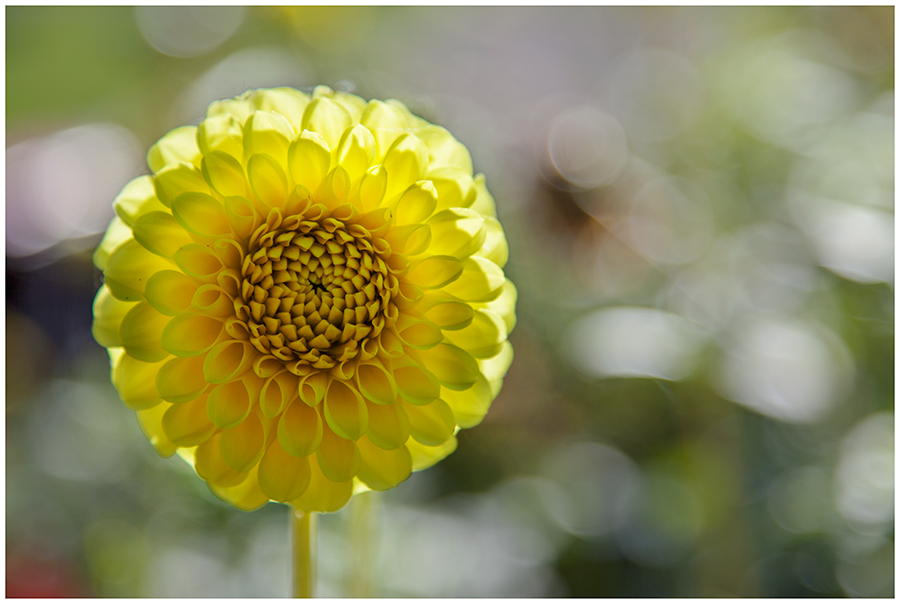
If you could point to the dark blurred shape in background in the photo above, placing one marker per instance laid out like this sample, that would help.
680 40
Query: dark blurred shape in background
699 207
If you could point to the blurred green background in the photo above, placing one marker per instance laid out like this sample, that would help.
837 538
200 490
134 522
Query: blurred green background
699 207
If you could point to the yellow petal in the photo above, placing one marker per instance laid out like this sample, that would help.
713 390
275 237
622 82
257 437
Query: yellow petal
246 496
170 292
141 332
231 254
224 174
496 367
129 268
381 470
228 360
451 314
239 108
268 180
300 429
338 457
480 281
504 305
386 123
213 301
188 454
136 382
221 134
455 187
352 103
444 149
399 265
199 261
228 404
116 234
470 406
266 365
211 467
345 410
283 477
269 133
372 187
242 445
150 421
417 385
454 367
287 101
201 214
181 379
309 160
323 495
298 201
160 233
375 383
416 204
327 117
173 180
356 151
313 387
137 198
484 335
405 164
390 345
187 424
410 240
495 247
242 216
418 333
484 202
108 315
388 425
278 391
431 424
376 221
435 271
333 191
190 334
424 457
457 232
179 145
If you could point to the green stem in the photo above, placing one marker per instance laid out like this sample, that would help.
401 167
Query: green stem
363 520
303 552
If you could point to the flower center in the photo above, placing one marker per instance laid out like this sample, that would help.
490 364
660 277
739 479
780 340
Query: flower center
313 290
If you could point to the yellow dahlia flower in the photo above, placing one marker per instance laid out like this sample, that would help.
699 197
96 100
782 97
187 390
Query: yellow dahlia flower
306 299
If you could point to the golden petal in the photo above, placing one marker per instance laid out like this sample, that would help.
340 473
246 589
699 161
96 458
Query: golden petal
300 429
380 469
338 457
283 477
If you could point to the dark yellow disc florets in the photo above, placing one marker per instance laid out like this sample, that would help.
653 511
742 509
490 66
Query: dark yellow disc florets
313 290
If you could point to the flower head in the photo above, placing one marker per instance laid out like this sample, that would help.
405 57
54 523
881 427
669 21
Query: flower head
306 299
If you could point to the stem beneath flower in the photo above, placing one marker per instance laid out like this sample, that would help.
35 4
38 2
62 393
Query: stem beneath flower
303 552
363 531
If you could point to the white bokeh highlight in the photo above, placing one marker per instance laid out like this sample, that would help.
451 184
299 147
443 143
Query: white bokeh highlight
864 478
853 241
587 486
634 342
786 369
588 147
188 31
247 69
779 94
62 186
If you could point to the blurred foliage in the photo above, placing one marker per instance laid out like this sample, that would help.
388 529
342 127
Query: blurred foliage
727 170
